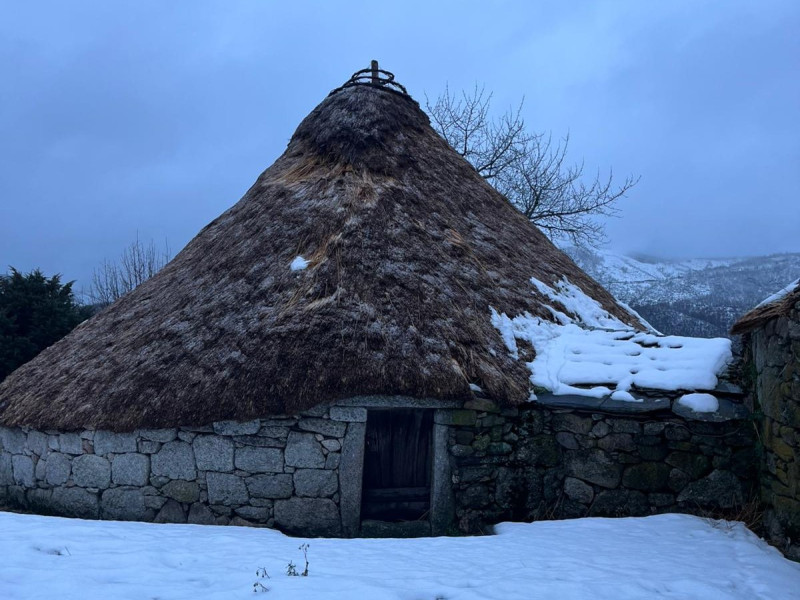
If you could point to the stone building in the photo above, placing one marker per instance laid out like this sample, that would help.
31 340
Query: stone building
772 350
371 341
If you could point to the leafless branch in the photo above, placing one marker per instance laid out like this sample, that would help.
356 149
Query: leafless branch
529 169
138 263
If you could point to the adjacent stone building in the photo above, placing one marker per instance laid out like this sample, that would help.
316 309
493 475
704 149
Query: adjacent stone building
772 348
372 341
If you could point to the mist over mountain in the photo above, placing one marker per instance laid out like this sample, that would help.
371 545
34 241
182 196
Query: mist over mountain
696 297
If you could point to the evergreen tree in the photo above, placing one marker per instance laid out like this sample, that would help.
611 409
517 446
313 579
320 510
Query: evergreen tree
35 312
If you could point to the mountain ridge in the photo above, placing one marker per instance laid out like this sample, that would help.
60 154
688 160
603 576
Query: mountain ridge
697 296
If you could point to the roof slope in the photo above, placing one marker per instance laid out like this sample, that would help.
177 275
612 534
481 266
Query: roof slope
777 305
407 248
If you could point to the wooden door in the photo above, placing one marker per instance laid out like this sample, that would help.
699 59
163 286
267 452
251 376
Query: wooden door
397 465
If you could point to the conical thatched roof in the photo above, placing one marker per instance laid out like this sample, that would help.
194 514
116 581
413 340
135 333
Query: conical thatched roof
407 248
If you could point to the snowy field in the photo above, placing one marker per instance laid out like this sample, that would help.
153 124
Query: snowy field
666 556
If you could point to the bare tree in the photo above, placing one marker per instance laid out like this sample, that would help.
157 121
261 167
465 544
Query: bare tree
528 168
138 263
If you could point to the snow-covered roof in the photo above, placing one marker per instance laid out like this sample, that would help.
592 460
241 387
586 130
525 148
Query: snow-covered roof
776 305
589 352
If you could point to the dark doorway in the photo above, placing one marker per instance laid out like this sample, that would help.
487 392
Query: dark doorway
397 465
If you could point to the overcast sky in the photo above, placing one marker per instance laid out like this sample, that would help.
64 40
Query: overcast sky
154 117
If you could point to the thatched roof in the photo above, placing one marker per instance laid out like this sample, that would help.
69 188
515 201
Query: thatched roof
408 248
775 306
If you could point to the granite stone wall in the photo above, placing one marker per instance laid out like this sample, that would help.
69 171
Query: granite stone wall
775 363
279 472
303 474
545 462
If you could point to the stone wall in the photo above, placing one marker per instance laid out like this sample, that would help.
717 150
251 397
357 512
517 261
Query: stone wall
775 362
562 463
280 472
303 474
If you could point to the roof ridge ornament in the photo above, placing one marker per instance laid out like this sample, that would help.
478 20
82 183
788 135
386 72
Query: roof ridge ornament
376 77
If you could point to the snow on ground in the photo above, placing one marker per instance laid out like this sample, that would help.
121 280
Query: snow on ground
587 346
664 556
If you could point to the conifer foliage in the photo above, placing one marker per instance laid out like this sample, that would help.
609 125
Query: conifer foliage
35 312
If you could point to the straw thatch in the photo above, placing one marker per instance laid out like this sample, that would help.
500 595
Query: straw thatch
408 248
769 310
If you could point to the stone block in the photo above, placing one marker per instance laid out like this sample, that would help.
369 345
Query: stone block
718 489
482 405
660 500
200 514
694 465
91 471
130 469
475 496
6 469
353 414
620 503
308 516
23 470
677 433
182 491
647 476
122 504
269 486
278 433
331 445
540 450
13 440
39 470
332 460
213 453
76 502
158 435
653 428
678 480
237 428
624 426
226 489
108 441
324 426
171 512
303 450
461 450
39 500
175 460
461 417
57 469
578 491
70 443
259 460
255 514
149 447
37 442
260 441
572 423
315 483
594 466
567 440
617 441
351 474
600 429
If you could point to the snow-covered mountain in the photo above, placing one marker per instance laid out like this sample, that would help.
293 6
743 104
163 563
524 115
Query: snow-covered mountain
698 296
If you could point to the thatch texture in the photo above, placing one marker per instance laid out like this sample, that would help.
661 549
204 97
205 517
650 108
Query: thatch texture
408 247
767 311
